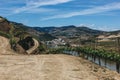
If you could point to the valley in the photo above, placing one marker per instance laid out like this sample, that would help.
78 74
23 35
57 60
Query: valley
39 53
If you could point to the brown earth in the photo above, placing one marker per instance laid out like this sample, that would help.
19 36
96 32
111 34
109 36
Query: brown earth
5 47
4 25
52 67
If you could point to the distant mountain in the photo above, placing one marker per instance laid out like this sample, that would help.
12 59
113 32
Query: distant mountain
114 32
72 34
69 31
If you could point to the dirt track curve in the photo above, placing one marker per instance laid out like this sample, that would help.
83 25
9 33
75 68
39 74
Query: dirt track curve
51 67
36 44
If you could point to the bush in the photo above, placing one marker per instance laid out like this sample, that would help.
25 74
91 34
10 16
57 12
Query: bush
4 34
12 43
41 48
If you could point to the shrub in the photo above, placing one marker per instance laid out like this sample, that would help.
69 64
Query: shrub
4 34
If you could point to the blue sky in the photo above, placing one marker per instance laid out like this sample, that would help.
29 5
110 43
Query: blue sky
96 14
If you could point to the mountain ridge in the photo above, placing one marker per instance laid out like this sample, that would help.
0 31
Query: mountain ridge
67 31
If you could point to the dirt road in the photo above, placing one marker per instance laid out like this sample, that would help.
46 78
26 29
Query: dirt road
51 67
36 44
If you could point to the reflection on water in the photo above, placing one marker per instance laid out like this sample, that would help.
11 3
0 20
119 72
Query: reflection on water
74 53
109 64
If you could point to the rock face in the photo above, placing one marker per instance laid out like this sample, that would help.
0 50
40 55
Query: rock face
4 25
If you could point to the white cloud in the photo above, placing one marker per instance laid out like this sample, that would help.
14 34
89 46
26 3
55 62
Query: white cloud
99 27
12 7
46 2
33 4
107 28
95 10
87 25
40 10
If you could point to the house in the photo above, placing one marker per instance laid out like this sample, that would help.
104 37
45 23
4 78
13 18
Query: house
56 43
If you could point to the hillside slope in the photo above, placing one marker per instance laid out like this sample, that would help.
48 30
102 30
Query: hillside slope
5 47
17 37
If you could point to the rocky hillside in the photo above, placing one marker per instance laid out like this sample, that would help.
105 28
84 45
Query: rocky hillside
19 38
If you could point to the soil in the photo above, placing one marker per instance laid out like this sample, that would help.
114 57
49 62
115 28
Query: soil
52 67
5 47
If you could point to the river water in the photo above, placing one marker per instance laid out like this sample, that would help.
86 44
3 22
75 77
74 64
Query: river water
109 64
